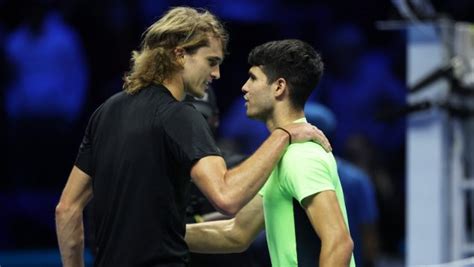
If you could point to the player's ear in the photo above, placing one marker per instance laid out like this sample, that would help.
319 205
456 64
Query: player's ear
280 87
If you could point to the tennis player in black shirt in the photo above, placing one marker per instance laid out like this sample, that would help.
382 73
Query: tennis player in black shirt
142 144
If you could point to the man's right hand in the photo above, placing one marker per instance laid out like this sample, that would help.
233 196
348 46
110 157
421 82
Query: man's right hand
302 132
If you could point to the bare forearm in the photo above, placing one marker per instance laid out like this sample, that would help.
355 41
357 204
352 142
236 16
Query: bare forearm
214 237
243 182
230 190
336 255
70 231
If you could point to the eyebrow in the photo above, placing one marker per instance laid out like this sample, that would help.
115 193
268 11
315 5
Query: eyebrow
252 75
215 58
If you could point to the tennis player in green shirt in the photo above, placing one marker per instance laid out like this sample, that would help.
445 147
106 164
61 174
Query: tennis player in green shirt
301 206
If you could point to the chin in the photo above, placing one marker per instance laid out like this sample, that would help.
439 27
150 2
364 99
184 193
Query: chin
257 116
252 116
249 115
199 94
196 93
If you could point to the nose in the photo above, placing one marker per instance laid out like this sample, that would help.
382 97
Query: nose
244 87
216 73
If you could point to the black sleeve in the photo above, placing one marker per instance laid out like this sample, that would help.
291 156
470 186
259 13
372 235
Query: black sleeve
189 135
84 156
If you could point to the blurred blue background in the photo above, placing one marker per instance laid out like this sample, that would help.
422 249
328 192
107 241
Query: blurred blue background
61 59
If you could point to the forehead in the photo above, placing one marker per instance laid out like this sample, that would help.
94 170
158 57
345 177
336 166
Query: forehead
257 71
214 49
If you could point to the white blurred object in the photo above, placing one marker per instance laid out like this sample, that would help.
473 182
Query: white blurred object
464 51
468 262
440 145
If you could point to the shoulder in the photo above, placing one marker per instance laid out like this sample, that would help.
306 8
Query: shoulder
182 117
306 169
168 106
307 152
307 158
182 112
116 98
112 102
106 107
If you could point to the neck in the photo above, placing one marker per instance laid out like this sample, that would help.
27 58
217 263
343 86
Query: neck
283 115
175 85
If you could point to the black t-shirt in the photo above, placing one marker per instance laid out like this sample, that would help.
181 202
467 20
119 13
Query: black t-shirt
139 150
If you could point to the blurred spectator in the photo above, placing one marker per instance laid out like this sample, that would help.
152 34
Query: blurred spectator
43 100
50 75
109 30
360 88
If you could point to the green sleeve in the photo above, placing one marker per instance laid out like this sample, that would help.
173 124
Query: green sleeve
306 171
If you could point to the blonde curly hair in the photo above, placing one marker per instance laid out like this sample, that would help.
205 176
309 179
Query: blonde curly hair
183 27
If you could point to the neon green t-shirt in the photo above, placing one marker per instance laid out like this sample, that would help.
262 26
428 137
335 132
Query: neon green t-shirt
305 169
